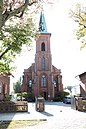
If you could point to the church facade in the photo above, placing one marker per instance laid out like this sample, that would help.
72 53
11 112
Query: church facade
42 78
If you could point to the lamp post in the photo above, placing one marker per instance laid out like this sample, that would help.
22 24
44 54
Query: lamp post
54 85
54 82
30 83
21 82
30 91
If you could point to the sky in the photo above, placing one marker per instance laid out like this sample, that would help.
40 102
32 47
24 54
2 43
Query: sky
65 48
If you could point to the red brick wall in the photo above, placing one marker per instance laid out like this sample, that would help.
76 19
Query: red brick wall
35 71
5 84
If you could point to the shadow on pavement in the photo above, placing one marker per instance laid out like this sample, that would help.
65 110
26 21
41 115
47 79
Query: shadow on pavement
5 119
46 113
4 124
6 116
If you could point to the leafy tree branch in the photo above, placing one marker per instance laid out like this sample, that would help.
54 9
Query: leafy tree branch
13 38
79 16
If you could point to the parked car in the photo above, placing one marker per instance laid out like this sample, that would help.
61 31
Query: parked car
67 99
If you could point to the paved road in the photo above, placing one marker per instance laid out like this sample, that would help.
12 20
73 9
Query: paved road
61 116
58 115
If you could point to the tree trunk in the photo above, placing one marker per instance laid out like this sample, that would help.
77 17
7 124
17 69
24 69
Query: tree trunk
1 11
8 14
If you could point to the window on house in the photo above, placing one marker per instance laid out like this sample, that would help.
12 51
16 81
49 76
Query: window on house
43 47
43 81
43 63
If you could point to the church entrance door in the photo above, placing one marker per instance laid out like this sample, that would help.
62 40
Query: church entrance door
45 95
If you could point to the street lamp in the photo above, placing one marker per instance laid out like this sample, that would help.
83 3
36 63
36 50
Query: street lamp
30 83
54 83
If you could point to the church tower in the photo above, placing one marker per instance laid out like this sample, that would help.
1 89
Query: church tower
43 59
42 78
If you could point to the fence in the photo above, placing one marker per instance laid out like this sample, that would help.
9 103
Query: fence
19 106
78 103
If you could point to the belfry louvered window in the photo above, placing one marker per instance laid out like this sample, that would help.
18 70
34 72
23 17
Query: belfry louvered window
43 46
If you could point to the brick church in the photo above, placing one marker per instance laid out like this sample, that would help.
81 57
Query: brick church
42 78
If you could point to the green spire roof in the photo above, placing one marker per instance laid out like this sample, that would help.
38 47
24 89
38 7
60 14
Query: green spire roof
42 24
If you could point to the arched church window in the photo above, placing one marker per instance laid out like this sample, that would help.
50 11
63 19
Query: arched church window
43 81
43 63
43 46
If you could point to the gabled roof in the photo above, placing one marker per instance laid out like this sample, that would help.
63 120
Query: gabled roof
80 74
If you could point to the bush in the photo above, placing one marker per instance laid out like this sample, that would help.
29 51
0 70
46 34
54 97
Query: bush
60 95
30 97
25 96
19 96
57 99
7 98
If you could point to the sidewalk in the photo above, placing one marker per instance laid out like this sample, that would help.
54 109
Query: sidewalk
51 109
32 114
57 115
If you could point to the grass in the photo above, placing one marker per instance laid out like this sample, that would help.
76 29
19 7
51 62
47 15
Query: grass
16 124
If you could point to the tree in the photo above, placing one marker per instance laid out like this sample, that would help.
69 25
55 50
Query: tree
17 86
69 88
79 15
10 8
13 37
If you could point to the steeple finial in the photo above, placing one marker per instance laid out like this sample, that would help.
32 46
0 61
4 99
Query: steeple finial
42 24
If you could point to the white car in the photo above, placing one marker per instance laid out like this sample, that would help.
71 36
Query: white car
67 99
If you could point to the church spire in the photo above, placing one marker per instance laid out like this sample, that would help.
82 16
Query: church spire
42 24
